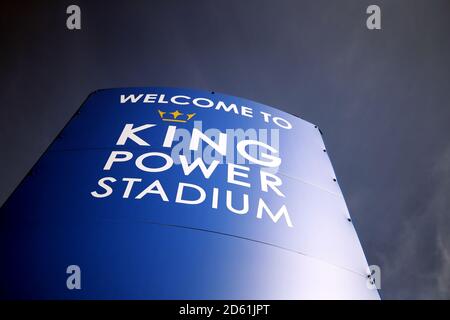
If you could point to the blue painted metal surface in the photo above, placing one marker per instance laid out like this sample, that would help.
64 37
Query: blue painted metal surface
149 248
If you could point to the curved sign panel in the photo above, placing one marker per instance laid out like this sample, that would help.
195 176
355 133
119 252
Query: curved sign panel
164 193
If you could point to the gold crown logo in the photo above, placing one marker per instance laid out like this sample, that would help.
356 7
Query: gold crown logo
176 116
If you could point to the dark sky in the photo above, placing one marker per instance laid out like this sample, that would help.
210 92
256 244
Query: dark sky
380 97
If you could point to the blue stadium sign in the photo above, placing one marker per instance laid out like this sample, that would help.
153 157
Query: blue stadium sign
166 193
